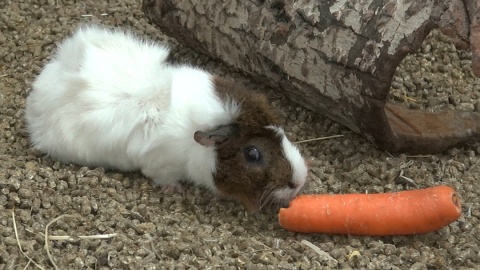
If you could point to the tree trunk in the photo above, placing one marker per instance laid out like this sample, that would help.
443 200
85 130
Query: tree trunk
334 57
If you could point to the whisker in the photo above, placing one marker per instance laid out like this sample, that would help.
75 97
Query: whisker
263 195
271 198
264 200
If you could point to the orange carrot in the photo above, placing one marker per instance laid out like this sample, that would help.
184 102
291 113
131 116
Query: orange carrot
398 213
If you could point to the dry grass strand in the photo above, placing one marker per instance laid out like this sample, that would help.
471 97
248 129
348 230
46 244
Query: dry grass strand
30 260
319 139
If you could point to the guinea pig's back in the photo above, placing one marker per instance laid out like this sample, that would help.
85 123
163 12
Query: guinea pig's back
98 97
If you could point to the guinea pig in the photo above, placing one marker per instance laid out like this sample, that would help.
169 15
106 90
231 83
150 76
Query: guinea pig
109 98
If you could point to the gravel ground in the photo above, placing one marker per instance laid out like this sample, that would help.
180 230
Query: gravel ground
197 230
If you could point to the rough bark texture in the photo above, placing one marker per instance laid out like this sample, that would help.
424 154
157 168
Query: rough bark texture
334 57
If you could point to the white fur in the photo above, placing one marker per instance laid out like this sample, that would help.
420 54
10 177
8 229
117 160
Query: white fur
299 168
108 99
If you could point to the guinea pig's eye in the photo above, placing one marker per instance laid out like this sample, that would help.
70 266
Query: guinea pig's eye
252 154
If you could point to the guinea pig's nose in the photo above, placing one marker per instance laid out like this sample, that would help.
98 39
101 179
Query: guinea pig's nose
292 185
284 204
299 189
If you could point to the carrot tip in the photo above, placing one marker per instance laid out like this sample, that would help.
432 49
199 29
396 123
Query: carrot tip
456 201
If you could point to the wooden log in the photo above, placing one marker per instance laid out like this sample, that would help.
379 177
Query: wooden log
334 57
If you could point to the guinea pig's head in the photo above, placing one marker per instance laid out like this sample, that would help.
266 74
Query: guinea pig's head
256 163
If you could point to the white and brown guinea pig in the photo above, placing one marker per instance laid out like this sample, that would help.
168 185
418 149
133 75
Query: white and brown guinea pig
108 98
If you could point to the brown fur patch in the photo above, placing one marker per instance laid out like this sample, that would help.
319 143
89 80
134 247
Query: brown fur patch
256 110
251 183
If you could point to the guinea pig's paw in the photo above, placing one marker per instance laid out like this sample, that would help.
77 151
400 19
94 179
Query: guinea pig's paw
172 188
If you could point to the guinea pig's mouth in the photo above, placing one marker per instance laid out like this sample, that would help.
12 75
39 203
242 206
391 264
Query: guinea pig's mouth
276 199
280 197
283 196
256 205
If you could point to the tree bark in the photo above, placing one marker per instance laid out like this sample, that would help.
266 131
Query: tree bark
334 57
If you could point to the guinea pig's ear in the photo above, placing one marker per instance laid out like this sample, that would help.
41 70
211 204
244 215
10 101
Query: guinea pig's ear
218 136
